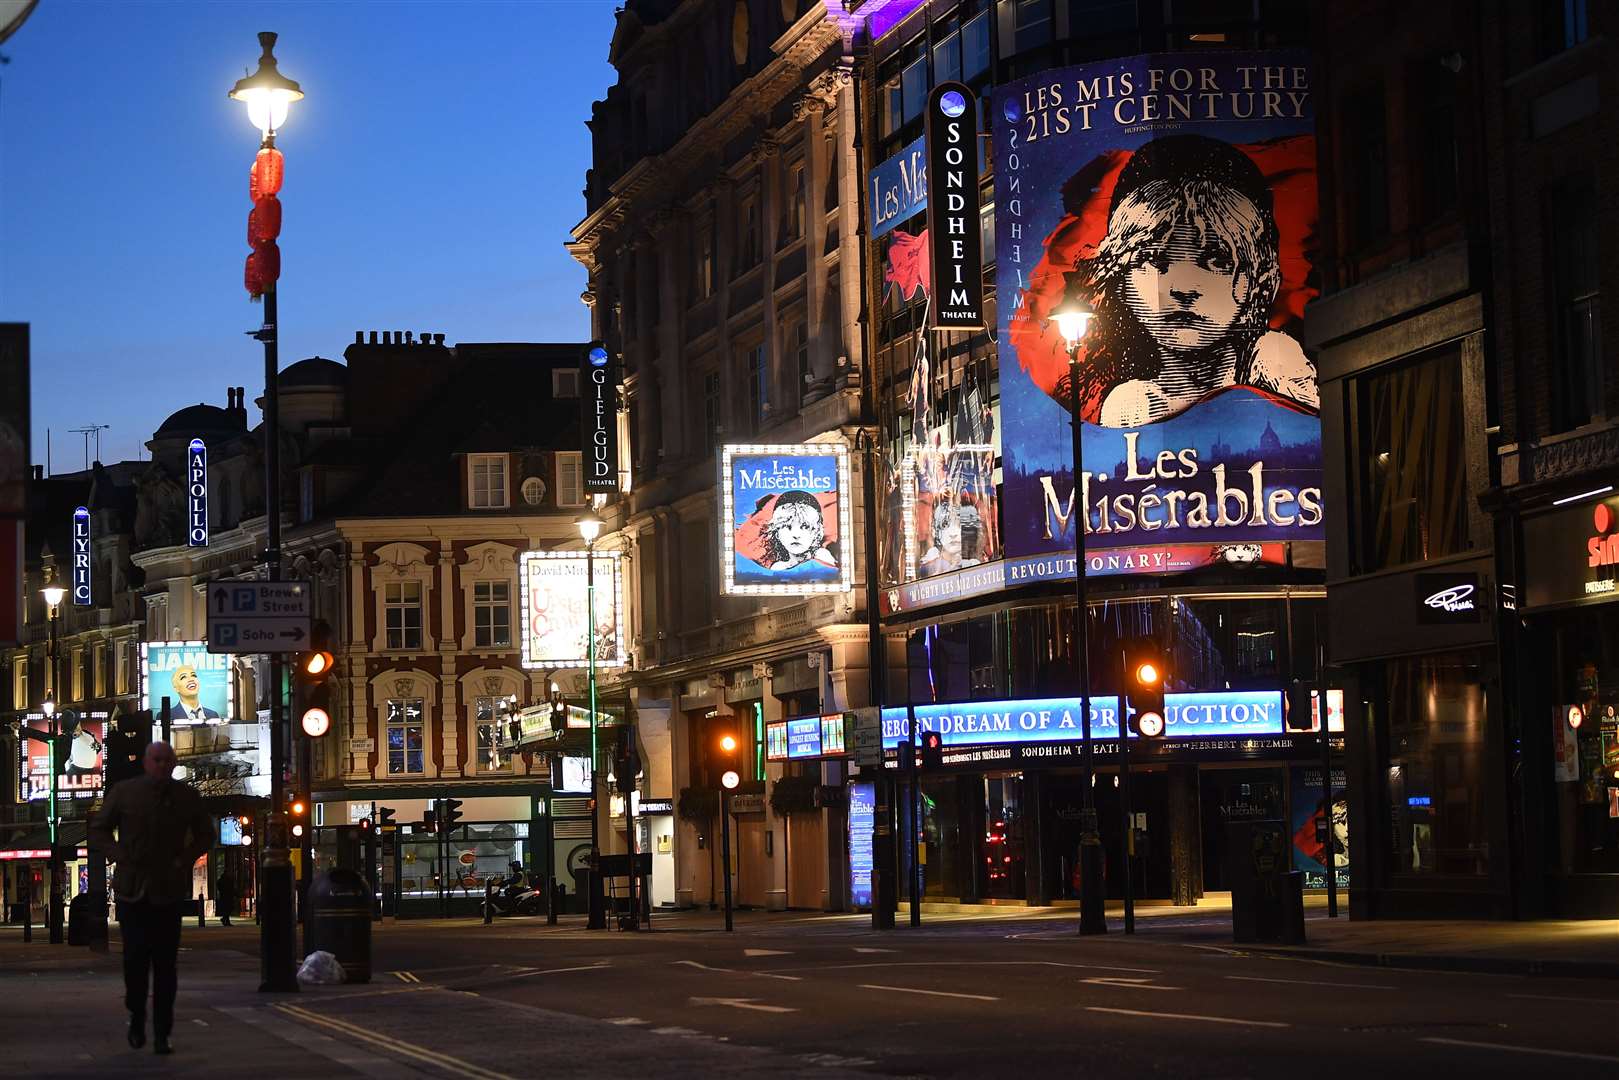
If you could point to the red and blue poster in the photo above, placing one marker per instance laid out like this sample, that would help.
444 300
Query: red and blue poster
1174 197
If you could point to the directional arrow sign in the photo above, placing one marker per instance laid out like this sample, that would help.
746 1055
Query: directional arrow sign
258 616
740 1003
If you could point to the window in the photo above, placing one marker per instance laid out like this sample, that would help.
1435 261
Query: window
488 712
1024 25
570 478
914 86
1366 166
1576 377
893 105
19 682
758 386
801 352
486 486
120 671
947 59
1435 132
1412 465
748 251
1430 718
98 671
711 411
975 47
1563 24
491 614
76 668
402 603
793 227
306 495
705 261
405 736
564 383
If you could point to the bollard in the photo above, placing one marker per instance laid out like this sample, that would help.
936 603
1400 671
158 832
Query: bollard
488 901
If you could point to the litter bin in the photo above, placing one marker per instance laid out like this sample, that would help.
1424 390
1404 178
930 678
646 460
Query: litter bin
78 920
340 920
1267 899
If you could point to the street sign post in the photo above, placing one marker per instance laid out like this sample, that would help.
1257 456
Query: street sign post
866 744
258 616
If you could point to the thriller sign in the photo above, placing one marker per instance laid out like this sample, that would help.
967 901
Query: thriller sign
599 397
953 207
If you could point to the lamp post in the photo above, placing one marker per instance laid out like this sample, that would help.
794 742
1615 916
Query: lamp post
590 527
1073 320
268 94
53 595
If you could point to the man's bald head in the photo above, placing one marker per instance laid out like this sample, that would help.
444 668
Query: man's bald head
159 761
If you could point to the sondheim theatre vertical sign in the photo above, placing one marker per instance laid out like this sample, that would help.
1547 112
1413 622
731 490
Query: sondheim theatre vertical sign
599 405
957 257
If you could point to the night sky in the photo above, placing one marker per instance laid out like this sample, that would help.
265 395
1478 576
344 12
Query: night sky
434 170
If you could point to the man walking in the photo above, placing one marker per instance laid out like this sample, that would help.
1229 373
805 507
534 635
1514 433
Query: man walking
153 828
225 896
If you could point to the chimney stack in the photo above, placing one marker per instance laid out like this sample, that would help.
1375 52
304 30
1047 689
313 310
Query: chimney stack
409 338
373 337
438 339
359 337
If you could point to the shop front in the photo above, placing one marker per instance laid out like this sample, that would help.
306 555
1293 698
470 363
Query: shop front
1569 698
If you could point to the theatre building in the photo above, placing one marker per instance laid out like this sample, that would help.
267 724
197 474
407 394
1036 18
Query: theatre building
1153 164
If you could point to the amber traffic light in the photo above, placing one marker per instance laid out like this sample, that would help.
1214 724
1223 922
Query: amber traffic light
1144 688
728 743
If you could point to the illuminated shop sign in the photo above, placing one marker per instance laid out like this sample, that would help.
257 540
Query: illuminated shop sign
81 557
555 609
196 682
899 188
806 737
785 521
1220 713
81 762
957 301
197 494
599 403
862 822
1448 598
1571 555
1175 196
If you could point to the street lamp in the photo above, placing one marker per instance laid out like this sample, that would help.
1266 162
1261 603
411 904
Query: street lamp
1073 321
268 94
53 595
590 527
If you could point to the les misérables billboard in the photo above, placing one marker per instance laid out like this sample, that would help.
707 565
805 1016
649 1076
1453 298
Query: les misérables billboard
1176 196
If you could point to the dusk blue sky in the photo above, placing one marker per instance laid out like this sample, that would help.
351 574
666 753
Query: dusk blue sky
434 170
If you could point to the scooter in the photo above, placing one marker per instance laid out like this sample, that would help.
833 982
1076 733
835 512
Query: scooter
512 897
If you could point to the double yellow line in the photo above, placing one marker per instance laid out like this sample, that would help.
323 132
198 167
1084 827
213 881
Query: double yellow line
394 1046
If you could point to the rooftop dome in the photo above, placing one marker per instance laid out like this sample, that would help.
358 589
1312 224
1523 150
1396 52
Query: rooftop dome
315 371
200 419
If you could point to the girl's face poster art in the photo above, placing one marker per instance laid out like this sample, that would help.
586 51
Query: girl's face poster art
786 517
1175 198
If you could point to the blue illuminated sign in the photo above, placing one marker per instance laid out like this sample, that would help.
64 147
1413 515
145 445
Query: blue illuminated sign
862 820
898 188
1225 713
804 738
197 493
81 557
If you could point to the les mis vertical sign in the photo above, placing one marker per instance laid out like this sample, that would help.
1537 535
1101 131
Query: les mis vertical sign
598 376
953 209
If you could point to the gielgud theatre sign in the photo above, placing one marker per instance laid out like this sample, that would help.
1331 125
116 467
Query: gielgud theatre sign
1176 197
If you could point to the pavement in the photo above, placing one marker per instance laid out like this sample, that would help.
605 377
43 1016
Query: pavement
969 993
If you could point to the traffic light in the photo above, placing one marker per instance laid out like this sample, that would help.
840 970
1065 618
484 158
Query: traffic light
298 815
126 745
429 822
1299 711
312 674
1144 674
932 750
385 816
559 709
365 827
626 762
449 814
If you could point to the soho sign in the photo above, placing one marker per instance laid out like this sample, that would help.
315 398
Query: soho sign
197 493
953 223
81 557
600 406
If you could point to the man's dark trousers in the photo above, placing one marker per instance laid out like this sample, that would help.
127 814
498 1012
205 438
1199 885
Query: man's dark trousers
151 935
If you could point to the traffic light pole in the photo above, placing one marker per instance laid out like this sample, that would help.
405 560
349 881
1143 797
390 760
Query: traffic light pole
306 842
914 801
1092 896
725 854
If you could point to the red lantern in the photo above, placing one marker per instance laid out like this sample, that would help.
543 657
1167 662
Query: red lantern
252 277
263 269
269 169
264 221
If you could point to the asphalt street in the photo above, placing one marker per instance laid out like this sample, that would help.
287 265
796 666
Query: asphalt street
961 997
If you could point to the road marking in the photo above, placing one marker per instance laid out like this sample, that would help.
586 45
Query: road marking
405 976
863 949
773 975
1578 1000
344 1053
1521 1049
199 1021
740 1003
395 1045
1150 1015
1312 982
963 963
559 971
626 1021
704 967
836 1061
930 993
682 1031
1128 984
766 952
